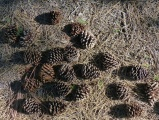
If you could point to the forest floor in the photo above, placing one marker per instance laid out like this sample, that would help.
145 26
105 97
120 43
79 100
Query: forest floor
128 29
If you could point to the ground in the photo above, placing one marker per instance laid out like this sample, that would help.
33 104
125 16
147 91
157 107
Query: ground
129 29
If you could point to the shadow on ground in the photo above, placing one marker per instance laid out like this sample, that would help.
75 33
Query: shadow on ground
67 29
2 38
140 90
110 91
118 111
16 86
77 68
96 60
156 108
76 42
17 58
17 105
44 19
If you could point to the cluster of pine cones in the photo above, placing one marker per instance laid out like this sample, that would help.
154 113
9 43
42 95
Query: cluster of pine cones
16 35
43 73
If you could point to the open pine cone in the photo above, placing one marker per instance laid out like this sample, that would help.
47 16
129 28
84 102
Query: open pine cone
11 33
71 54
32 55
56 89
55 55
31 84
133 110
25 38
55 17
90 71
87 39
107 61
66 72
76 28
134 72
46 73
18 35
30 106
117 91
152 92
54 107
79 92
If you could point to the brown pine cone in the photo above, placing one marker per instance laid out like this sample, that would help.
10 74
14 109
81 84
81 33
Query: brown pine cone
71 54
11 33
107 61
31 84
133 110
32 55
134 72
46 73
117 91
54 107
56 89
90 71
30 106
55 17
76 28
87 39
25 38
152 92
66 73
79 92
55 55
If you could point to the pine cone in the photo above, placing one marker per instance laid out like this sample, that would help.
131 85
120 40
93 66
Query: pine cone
107 61
133 110
54 108
66 72
55 55
117 91
25 38
11 33
76 28
78 92
90 71
87 39
71 54
31 84
32 55
46 73
55 17
152 92
30 106
134 72
56 89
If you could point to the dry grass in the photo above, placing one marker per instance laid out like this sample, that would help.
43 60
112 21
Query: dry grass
129 30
